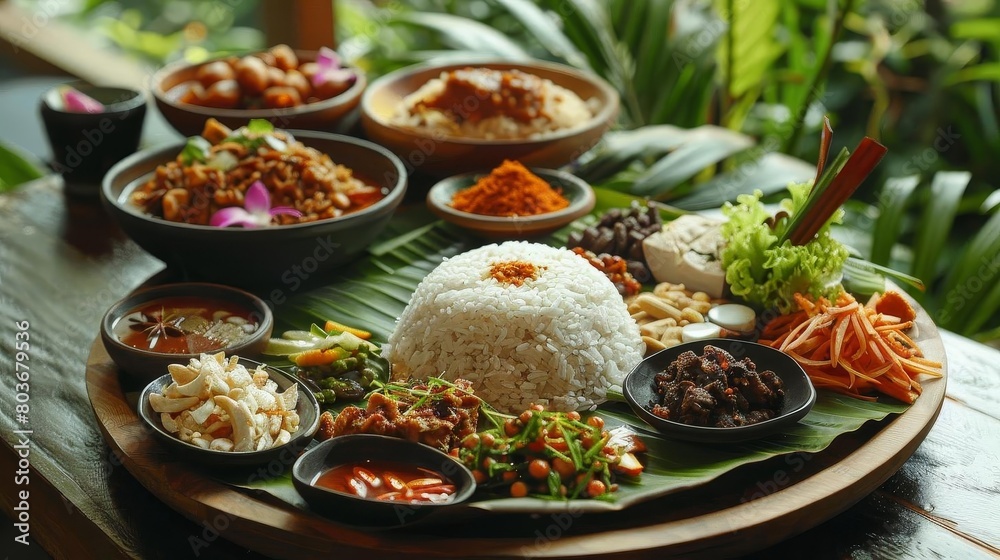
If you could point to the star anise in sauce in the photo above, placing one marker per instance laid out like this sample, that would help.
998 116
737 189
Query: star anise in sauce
156 326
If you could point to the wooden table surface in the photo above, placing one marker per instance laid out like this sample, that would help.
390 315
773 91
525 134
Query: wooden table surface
62 264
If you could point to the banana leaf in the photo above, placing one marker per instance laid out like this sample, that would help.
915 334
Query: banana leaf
374 291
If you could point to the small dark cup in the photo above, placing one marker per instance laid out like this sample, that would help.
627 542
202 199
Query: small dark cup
86 145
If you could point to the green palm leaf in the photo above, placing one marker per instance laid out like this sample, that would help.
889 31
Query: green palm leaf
947 188
970 289
546 31
666 162
618 149
465 34
702 147
771 173
888 226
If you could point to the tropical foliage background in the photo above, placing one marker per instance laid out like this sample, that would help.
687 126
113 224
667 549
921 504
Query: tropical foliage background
721 97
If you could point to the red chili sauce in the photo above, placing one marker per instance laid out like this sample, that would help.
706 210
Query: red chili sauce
186 325
388 480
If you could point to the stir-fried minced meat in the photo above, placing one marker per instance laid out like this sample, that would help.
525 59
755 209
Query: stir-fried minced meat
440 420
715 389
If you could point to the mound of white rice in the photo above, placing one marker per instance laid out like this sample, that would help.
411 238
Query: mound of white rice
560 339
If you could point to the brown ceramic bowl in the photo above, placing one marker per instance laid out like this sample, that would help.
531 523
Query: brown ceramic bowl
438 155
580 195
189 119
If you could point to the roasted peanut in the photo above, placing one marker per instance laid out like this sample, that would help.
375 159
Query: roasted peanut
702 307
671 333
692 316
641 316
653 345
657 307
661 313
655 328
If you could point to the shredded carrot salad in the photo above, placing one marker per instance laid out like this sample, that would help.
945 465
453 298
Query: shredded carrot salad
852 348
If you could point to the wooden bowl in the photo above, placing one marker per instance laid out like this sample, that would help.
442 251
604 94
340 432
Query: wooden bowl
189 119
580 195
438 155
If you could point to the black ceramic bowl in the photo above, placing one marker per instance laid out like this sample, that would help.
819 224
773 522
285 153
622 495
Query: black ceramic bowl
799 392
306 407
274 261
86 145
371 512
580 195
147 364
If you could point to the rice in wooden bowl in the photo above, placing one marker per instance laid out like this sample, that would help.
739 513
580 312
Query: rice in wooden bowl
443 119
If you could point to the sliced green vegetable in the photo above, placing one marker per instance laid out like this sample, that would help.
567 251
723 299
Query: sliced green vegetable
286 346
195 150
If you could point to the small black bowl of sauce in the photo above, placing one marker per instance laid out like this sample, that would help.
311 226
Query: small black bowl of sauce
379 481
170 324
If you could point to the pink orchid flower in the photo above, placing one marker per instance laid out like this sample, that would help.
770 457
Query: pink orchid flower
330 69
75 101
257 211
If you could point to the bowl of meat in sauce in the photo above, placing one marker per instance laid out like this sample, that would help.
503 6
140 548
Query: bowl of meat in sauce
719 391
327 197
445 119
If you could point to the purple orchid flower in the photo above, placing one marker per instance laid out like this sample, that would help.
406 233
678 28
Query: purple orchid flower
331 69
257 211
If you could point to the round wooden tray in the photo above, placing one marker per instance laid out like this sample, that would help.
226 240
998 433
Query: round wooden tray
747 509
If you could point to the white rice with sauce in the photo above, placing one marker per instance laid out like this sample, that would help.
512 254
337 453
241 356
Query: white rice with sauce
561 109
561 338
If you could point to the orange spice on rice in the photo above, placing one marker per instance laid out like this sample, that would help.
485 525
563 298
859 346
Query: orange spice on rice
514 272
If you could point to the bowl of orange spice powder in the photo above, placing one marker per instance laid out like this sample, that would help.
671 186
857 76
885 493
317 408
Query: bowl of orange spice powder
511 201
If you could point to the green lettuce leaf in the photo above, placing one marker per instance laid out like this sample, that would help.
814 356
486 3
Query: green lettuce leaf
767 274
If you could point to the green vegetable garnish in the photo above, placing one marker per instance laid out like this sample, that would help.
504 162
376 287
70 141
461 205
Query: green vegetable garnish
766 274
339 366
196 150
255 134
259 126
770 259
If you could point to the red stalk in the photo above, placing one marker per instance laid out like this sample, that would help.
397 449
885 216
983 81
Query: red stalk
861 163
825 139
